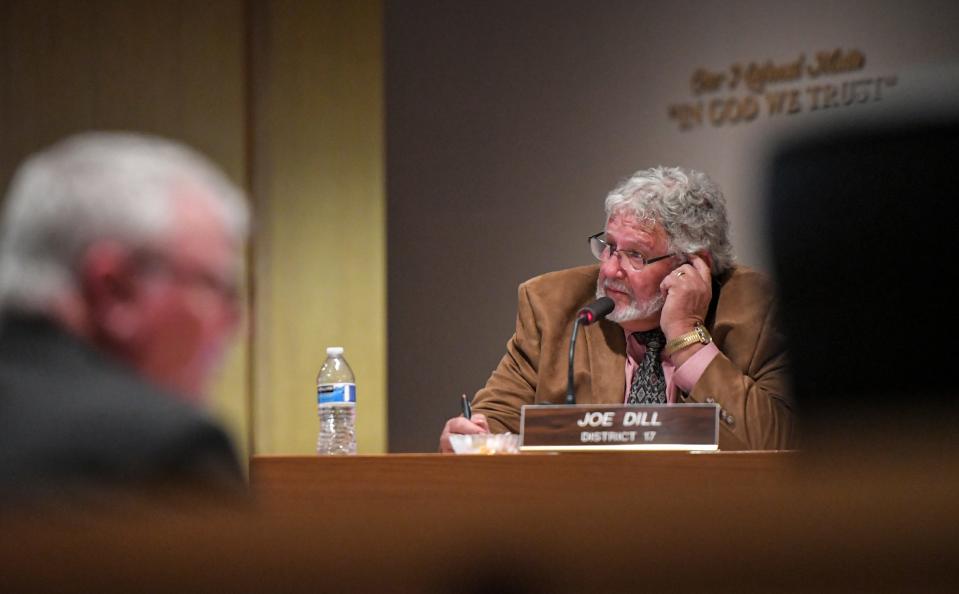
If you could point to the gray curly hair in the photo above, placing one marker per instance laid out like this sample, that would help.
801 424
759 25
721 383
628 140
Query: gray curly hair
688 205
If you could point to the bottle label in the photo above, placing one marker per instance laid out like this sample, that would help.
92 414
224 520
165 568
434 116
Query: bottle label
336 394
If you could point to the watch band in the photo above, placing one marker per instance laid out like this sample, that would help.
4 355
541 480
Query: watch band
699 334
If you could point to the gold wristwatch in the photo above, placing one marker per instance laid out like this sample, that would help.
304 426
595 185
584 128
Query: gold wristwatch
699 334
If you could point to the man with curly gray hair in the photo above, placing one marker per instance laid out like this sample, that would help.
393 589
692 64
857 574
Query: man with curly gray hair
688 325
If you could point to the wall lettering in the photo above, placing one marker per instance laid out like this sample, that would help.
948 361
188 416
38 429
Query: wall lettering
743 93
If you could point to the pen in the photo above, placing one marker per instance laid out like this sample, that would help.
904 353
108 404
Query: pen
467 410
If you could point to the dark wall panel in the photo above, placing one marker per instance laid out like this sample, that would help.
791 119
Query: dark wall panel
507 122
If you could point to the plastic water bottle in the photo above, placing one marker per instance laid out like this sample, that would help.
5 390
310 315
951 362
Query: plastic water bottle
336 404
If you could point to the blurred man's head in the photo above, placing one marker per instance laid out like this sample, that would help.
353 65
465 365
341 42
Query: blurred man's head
132 243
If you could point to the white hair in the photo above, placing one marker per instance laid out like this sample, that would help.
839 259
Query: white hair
95 186
688 205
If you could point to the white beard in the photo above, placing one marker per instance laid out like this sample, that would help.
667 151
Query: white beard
634 310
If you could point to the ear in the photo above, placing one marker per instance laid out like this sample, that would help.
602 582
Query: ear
108 281
707 257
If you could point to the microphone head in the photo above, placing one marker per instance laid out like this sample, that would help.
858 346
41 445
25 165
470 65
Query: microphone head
595 311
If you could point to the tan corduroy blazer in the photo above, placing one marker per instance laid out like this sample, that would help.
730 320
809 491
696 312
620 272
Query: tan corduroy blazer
748 379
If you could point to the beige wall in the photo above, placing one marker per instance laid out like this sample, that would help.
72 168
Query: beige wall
284 95
320 267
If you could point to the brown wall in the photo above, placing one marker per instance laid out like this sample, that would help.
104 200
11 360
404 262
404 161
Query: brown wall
509 121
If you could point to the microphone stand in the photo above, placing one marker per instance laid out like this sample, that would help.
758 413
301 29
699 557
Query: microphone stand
593 312
570 393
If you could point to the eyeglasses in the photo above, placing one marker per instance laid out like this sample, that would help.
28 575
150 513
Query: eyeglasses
628 259
226 289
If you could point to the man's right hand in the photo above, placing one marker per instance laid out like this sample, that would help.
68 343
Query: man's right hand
461 424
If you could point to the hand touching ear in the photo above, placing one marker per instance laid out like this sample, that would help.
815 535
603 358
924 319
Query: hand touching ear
688 291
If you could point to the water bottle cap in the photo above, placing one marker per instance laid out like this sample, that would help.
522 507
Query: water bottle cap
334 351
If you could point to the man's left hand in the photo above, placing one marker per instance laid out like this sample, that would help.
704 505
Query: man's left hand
688 291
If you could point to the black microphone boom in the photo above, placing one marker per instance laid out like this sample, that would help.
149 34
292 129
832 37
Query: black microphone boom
594 312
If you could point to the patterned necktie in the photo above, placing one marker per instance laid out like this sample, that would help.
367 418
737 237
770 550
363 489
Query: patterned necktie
649 384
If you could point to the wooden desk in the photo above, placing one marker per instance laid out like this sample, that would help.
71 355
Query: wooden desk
608 522
553 480
570 523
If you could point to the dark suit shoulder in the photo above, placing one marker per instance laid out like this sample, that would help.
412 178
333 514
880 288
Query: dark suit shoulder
71 415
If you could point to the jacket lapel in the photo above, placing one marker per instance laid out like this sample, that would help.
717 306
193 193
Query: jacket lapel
606 344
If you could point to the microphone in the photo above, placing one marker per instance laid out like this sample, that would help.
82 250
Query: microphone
594 312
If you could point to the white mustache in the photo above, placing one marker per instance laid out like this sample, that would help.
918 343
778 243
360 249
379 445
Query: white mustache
618 286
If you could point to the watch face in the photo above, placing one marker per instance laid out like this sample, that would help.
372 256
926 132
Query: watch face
704 336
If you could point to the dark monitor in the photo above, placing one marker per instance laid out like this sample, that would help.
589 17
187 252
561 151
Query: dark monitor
863 224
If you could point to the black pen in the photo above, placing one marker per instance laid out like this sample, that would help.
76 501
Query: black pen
467 410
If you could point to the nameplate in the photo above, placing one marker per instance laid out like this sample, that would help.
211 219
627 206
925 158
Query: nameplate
586 427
